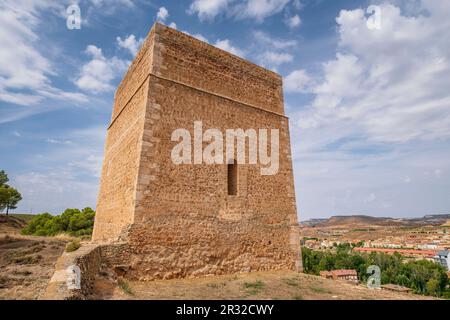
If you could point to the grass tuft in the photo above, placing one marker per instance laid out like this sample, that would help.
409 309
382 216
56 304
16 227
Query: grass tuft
73 246
125 286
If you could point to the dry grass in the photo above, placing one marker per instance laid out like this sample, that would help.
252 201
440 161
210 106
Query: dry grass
260 285
125 286
26 265
73 246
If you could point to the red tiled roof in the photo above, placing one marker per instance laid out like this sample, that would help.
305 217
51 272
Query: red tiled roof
344 272
401 251
339 273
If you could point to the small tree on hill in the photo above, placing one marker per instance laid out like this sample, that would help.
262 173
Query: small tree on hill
3 178
9 197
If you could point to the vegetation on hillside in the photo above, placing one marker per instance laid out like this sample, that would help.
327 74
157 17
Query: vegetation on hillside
72 221
9 197
422 276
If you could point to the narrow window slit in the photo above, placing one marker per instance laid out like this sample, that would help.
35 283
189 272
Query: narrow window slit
232 179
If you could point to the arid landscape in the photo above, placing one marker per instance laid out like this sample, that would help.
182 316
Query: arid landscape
280 285
27 264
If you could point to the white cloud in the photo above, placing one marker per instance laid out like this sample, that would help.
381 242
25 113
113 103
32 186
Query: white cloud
111 3
162 14
173 25
208 9
272 52
377 106
56 141
392 82
294 21
197 36
130 43
242 9
297 4
24 70
221 44
260 9
274 59
96 75
226 45
265 39
298 81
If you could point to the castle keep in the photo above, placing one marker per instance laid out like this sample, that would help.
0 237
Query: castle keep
187 220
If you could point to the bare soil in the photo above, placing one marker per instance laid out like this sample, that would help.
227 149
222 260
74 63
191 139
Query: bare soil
26 265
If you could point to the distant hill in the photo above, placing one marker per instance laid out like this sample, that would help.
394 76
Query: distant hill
23 216
352 220
11 224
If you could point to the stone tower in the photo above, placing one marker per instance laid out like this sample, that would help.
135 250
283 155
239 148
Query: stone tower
187 220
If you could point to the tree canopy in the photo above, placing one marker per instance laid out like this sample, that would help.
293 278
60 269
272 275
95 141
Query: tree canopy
72 221
9 197
422 276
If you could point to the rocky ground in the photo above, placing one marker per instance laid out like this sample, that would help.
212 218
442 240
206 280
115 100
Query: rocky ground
26 263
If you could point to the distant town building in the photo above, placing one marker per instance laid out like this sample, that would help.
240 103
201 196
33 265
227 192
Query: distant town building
443 258
428 246
346 275
404 252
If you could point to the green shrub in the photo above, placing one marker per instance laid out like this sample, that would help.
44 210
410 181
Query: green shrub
73 246
254 285
422 276
72 221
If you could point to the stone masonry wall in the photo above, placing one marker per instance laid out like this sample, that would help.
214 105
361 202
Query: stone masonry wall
178 220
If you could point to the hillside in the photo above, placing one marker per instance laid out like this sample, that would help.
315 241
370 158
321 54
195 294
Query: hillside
11 224
26 265
364 220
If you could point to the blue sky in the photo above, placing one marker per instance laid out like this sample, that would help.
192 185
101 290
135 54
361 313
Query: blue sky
369 107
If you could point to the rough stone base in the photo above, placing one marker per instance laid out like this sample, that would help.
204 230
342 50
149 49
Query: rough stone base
190 247
91 260
120 260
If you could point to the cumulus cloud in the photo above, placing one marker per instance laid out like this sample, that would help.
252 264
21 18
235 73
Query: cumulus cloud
130 43
260 9
162 14
224 44
294 21
272 52
197 36
274 59
391 81
265 39
227 46
24 71
102 3
298 81
254 9
382 99
97 74
208 9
